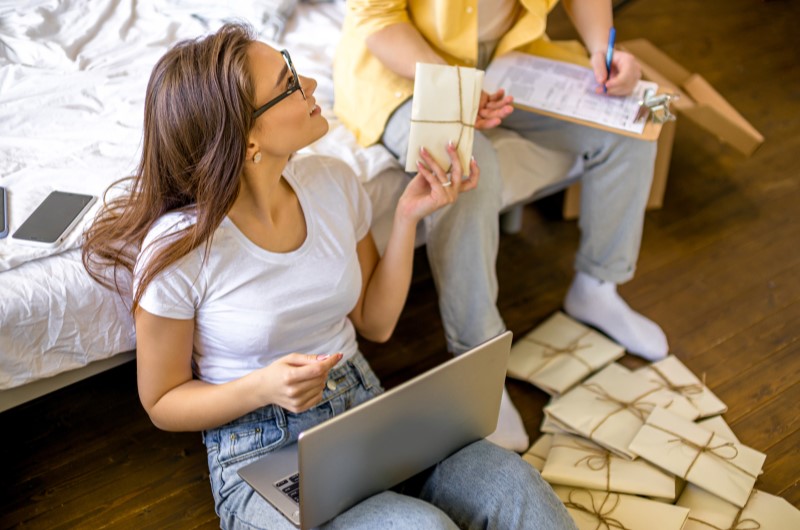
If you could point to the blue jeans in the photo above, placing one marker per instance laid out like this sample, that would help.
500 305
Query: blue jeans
481 486
462 239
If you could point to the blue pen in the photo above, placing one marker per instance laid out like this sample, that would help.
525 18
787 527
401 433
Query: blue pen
612 36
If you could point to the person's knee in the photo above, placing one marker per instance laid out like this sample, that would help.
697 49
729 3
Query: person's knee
425 516
633 150
485 155
393 510
509 472
512 471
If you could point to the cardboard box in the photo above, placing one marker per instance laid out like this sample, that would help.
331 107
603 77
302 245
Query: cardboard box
699 102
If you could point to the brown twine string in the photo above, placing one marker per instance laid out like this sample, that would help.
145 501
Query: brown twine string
737 521
596 461
707 449
640 410
688 391
460 119
603 518
554 352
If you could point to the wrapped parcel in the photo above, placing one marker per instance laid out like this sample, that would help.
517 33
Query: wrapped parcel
560 353
593 510
674 375
611 406
444 109
726 468
577 462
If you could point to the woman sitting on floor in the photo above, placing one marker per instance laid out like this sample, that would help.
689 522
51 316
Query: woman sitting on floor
255 271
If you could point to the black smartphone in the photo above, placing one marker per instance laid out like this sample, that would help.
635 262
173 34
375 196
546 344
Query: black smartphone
3 213
52 220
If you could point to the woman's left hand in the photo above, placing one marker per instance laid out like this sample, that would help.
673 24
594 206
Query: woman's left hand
433 187
625 73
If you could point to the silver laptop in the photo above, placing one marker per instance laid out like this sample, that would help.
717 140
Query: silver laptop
385 440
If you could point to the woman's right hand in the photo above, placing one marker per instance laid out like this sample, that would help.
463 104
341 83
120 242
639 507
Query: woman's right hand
433 187
295 382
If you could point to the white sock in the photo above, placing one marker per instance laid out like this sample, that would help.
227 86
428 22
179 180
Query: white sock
510 432
597 303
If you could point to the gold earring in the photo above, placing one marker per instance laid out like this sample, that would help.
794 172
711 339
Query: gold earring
257 158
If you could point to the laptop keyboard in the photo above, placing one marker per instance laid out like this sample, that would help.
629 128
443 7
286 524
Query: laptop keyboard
290 486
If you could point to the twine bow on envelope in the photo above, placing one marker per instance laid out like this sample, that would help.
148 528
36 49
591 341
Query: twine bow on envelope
688 391
601 511
738 523
579 463
725 451
638 408
559 353
597 459
674 376
613 393
720 466
553 352
759 510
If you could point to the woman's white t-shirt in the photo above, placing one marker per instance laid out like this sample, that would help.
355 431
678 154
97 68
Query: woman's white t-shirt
252 306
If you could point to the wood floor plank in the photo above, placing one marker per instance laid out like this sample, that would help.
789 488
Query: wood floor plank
698 269
721 322
792 493
779 468
759 383
773 333
771 422
714 282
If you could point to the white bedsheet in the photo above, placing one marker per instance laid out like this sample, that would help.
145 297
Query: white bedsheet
56 318
73 75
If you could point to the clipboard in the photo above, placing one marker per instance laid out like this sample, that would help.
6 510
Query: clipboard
565 91
649 133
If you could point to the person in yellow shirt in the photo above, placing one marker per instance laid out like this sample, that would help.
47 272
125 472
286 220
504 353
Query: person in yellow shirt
374 79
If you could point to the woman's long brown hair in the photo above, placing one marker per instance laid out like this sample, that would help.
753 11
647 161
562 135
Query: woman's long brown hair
197 116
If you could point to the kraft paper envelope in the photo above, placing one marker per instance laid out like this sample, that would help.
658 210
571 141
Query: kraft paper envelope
718 425
444 108
537 453
559 353
593 510
675 376
726 468
610 407
762 512
550 425
577 462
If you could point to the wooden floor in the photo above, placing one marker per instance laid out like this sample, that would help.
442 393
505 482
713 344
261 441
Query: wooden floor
719 270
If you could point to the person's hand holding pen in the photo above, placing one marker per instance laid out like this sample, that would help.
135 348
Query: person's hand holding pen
616 71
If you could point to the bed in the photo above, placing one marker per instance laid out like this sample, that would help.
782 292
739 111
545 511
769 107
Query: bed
72 83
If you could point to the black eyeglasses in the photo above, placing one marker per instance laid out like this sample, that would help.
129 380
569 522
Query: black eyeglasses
295 86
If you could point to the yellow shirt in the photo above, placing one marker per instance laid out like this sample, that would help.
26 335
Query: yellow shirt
366 92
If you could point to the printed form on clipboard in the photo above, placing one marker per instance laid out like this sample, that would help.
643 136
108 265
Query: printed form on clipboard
567 91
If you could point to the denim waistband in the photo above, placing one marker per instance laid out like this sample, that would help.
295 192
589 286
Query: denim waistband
341 379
